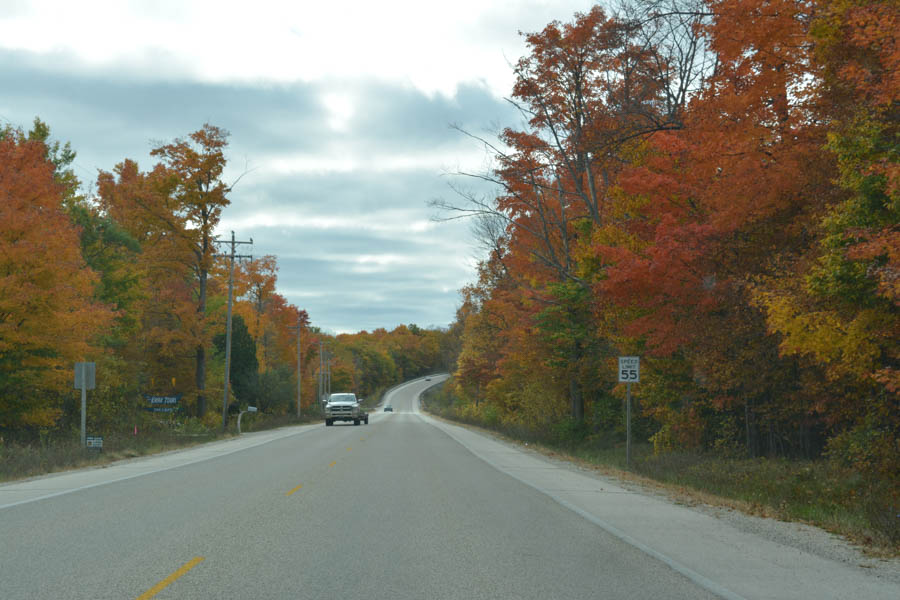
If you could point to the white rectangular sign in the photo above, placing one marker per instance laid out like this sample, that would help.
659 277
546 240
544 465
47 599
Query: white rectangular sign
629 369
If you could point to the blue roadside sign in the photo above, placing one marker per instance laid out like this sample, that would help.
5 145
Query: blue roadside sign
162 404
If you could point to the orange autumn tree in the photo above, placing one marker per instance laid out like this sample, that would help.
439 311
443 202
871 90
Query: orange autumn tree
271 322
254 284
713 206
592 91
192 170
48 319
658 190
172 212
840 306
163 339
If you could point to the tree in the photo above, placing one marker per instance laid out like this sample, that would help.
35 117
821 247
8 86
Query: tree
593 92
191 170
839 307
48 317
256 281
154 290
62 156
244 371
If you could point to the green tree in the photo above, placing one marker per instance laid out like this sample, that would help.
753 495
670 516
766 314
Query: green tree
244 375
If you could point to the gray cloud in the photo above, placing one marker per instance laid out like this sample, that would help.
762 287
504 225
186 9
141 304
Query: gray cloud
405 118
337 277
337 193
114 114
355 248
109 119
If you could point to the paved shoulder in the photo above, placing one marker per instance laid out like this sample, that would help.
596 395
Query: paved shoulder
58 484
721 558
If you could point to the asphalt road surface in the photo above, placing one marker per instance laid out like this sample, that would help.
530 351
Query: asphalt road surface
405 507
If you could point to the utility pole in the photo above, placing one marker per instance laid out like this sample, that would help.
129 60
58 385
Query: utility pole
298 327
320 379
324 371
233 243
328 375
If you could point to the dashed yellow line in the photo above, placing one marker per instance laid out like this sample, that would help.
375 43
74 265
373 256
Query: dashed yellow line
165 582
294 490
334 462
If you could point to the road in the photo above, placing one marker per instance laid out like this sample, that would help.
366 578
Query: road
405 507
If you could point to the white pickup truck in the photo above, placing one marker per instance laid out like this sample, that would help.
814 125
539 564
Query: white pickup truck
345 407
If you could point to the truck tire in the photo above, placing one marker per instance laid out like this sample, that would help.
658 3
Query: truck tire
367 420
328 422
356 421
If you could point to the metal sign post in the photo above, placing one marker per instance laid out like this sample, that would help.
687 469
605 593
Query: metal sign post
85 379
629 372
319 379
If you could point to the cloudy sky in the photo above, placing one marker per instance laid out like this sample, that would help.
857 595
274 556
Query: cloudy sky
339 111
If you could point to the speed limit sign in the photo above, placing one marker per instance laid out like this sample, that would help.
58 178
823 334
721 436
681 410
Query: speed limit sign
629 369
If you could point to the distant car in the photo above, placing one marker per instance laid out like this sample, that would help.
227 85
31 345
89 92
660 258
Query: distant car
428 379
388 408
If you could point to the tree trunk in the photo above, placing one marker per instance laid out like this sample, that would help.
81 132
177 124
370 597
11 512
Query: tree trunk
576 399
201 350
201 380
750 451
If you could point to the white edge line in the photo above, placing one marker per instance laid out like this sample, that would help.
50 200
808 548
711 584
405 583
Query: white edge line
694 576
169 468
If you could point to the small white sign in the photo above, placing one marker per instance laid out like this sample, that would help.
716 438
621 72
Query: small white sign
629 369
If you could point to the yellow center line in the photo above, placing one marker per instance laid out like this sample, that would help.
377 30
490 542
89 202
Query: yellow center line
294 490
348 449
334 462
165 582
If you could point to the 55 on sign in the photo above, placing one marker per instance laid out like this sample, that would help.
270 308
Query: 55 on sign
629 372
629 369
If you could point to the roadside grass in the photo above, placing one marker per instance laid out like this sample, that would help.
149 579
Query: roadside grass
263 422
63 452
18 461
815 492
